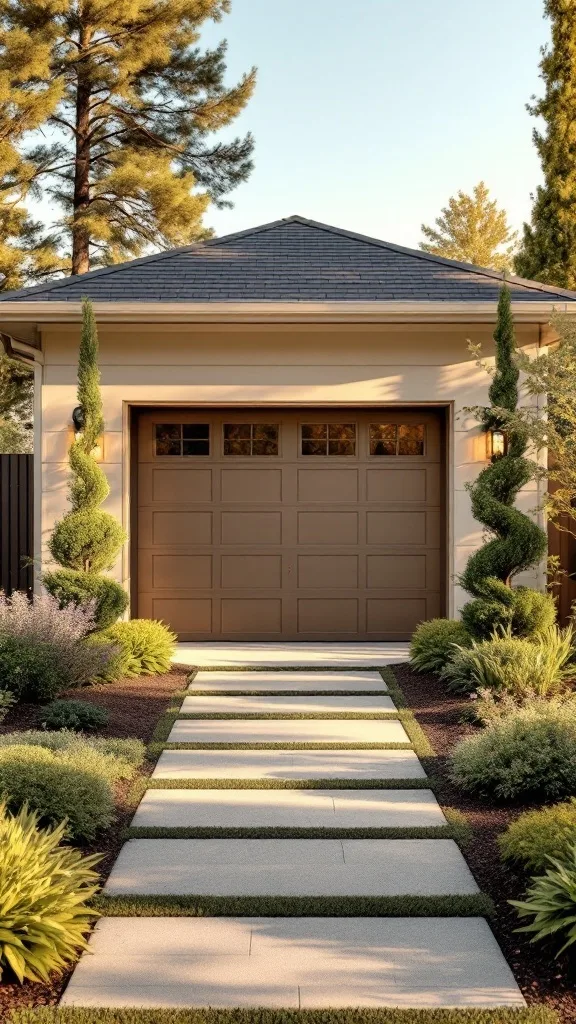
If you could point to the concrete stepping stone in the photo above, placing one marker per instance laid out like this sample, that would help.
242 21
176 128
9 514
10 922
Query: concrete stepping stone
292 962
285 705
291 867
288 808
302 681
288 764
344 730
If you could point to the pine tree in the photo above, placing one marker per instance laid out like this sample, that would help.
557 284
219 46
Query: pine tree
87 539
131 103
472 229
517 542
548 250
16 394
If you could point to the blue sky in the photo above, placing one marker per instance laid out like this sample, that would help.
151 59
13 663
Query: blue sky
369 115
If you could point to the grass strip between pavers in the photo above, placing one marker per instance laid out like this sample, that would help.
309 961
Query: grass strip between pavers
284 832
417 736
285 716
426 783
288 693
155 748
263 1015
284 668
475 905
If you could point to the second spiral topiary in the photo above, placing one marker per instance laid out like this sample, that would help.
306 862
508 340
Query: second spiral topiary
87 539
517 542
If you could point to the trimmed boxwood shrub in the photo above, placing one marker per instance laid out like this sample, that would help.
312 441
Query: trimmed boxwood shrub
527 753
58 786
537 835
432 644
147 644
77 715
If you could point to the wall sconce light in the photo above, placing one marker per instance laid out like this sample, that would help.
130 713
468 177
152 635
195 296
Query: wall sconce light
497 444
78 425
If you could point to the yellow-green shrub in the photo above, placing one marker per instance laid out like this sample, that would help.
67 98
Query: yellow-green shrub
537 835
44 888
147 644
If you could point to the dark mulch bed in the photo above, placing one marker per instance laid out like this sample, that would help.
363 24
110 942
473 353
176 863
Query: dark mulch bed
541 978
134 707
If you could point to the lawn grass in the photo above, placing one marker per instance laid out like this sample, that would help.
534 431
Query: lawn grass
426 783
476 905
154 749
263 1015
288 693
286 716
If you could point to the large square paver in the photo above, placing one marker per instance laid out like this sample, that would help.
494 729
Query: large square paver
288 808
291 962
291 867
296 655
301 705
300 681
326 730
288 764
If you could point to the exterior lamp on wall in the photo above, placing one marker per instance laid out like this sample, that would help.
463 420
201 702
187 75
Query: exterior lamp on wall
497 443
78 428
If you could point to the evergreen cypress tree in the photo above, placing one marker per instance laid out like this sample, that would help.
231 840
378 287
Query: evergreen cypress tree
518 542
130 104
548 251
473 230
87 540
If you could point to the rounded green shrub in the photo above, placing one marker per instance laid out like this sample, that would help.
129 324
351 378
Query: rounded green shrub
432 643
517 542
148 644
58 786
513 664
69 586
44 890
30 670
521 610
528 753
77 715
536 836
87 539
111 757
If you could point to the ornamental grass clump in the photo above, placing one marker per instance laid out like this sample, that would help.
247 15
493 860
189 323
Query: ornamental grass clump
536 836
432 644
43 648
148 645
517 542
87 540
551 902
44 890
542 666
527 753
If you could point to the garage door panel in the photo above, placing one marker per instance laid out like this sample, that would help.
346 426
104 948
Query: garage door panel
328 615
247 546
251 616
340 485
251 485
331 528
251 527
251 572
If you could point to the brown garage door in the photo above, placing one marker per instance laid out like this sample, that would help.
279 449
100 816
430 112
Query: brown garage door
307 524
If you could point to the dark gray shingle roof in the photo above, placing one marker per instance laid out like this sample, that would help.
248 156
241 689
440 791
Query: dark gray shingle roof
291 260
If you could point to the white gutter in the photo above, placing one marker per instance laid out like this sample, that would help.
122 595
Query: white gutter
12 313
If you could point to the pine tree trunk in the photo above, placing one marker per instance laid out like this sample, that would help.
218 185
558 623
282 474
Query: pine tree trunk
81 202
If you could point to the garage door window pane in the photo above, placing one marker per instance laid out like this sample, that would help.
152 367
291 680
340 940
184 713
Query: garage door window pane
182 439
396 439
251 438
328 439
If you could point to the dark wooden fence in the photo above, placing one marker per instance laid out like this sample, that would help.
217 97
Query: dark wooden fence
16 522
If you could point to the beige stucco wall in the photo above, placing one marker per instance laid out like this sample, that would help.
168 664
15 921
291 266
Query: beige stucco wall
273 364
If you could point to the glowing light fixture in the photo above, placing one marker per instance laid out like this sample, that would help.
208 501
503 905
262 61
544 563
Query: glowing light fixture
497 444
78 428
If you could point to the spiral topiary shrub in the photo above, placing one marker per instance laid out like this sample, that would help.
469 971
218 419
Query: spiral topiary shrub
432 644
517 543
44 891
87 539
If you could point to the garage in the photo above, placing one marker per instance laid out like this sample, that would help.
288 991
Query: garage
290 524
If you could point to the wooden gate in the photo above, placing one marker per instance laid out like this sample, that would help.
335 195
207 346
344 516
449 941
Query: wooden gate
16 522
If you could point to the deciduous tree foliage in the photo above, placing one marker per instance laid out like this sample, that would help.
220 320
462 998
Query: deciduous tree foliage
128 103
16 393
473 230
548 250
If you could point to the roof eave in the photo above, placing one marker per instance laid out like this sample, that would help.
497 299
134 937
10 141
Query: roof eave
45 312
